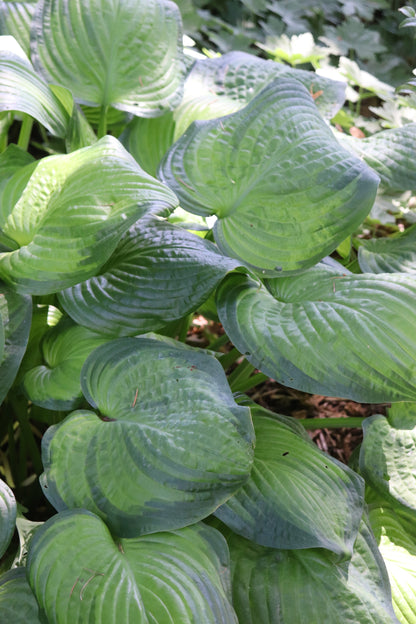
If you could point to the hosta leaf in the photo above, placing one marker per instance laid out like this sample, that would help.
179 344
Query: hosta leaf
15 312
23 90
283 190
100 191
327 332
388 458
389 255
56 383
296 496
309 586
219 86
16 19
17 602
126 54
396 539
158 273
176 445
391 154
7 516
16 167
80 573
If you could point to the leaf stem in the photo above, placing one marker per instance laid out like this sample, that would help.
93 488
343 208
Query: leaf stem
102 125
25 132
331 423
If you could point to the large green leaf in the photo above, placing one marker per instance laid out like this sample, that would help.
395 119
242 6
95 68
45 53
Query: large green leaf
56 383
17 602
284 192
396 539
7 516
389 255
310 586
80 573
327 332
171 444
121 53
74 210
219 86
388 457
16 19
296 496
21 89
391 154
15 312
158 273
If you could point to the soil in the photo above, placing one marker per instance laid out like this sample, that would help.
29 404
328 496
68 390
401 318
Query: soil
340 442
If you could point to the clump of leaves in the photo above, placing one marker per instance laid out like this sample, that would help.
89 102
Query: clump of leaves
167 495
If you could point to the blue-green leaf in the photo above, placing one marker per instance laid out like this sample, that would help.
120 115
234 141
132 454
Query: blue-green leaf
7 516
126 54
284 192
327 332
170 444
74 209
158 273
21 89
79 572
296 496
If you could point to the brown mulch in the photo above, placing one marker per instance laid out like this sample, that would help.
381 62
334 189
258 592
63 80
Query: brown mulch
340 442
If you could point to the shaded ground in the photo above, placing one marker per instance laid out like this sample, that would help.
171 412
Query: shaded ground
339 442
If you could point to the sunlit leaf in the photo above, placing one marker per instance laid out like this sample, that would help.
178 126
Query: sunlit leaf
216 87
396 538
284 192
23 90
74 210
388 457
126 54
16 19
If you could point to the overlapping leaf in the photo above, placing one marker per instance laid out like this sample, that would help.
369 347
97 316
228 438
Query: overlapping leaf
388 457
56 383
80 573
219 86
75 209
396 538
23 90
389 255
357 328
17 602
126 54
7 516
310 586
15 312
172 445
296 496
284 191
158 273
16 19
391 154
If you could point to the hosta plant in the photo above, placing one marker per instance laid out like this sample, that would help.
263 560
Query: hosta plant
139 187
